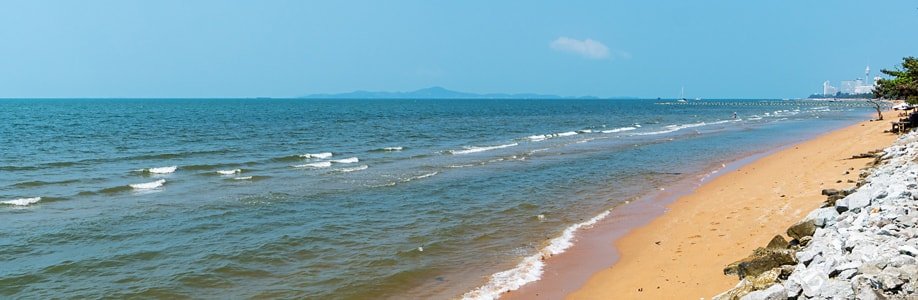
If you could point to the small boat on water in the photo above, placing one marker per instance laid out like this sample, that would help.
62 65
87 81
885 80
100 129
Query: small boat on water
682 96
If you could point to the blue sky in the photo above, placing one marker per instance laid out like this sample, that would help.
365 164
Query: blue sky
203 48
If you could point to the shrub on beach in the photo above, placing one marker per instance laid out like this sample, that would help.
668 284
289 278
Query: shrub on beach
903 84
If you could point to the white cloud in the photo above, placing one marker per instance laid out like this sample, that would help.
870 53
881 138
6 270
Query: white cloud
587 48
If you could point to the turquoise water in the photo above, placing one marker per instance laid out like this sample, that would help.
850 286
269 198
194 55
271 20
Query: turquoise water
466 181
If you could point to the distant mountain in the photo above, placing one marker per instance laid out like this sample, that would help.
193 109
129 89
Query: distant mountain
434 93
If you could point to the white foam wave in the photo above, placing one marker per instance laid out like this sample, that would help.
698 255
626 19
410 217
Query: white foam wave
354 169
148 185
684 126
619 129
473 149
542 137
322 155
536 138
569 133
229 172
677 127
423 176
392 149
162 170
346 160
321 164
530 268
22 201
243 178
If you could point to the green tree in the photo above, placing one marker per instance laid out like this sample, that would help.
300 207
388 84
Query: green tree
903 83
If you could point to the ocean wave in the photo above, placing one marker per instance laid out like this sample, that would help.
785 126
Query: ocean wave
473 149
321 164
542 137
349 160
621 129
409 179
388 149
247 178
536 138
22 201
530 268
677 127
322 155
354 169
206 167
229 172
422 176
160 170
569 133
38 183
148 185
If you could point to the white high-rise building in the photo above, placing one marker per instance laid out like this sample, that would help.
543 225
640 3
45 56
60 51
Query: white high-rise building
828 89
848 86
851 87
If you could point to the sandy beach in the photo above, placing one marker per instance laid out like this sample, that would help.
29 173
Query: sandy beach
674 245
681 254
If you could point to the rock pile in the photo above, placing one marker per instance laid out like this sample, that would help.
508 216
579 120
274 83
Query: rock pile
862 244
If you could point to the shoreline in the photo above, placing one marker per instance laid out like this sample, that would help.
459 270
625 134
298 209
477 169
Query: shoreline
593 268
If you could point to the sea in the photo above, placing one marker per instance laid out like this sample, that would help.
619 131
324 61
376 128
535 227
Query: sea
342 199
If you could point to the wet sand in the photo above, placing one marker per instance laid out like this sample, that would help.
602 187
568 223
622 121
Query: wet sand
674 244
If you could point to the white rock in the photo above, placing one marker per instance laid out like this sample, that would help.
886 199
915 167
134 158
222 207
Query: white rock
857 201
908 250
774 292
822 217
836 289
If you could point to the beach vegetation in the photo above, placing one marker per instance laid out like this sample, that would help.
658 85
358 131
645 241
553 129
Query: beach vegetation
902 84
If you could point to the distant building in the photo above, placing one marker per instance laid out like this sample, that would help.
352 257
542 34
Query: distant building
863 89
848 86
851 87
828 89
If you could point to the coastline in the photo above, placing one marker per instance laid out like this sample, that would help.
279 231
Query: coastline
675 242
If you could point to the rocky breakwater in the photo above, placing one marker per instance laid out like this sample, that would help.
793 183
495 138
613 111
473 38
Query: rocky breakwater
862 244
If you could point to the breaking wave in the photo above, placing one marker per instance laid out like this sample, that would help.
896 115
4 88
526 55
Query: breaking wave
473 149
148 185
619 129
349 160
388 149
354 169
530 268
322 155
22 201
316 165
160 170
229 172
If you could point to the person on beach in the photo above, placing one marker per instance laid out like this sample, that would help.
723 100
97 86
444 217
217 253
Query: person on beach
734 115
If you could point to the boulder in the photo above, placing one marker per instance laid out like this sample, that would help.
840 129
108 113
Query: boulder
760 261
777 242
774 292
854 201
908 250
829 192
823 217
766 279
836 289
741 289
870 294
802 229
809 281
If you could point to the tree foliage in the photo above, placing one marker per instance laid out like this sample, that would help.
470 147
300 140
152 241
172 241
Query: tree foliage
903 83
